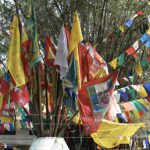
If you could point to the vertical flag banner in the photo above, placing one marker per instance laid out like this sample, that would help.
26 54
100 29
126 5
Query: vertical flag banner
31 23
14 62
75 39
62 53
50 51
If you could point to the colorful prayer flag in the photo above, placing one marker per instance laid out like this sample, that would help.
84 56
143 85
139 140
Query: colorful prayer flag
50 51
94 98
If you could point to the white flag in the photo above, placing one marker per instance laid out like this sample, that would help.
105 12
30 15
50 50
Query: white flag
62 50
136 45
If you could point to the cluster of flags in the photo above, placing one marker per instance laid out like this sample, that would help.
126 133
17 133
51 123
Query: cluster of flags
131 51
132 92
130 21
80 70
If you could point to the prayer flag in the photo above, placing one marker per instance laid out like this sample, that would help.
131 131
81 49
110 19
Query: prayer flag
147 44
113 63
121 59
111 134
20 95
50 51
76 34
96 66
122 28
129 23
131 51
147 87
14 62
94 98
76 38
140 12
138 69
31 24
142 92
144 38
62 52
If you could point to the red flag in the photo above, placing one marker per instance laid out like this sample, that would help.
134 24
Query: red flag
148 58
83 59
97 67
25 48
94 98
20 95
50 51
140 12
4 86
131 51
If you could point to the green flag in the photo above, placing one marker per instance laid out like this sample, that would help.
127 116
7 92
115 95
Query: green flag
31 24
121 59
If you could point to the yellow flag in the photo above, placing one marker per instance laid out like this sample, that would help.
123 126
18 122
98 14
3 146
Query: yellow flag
112 134
121 28
14 57
113 63
136 114
138 69
6 119
1 100
142 92
76 34
148 31
75 39
144 102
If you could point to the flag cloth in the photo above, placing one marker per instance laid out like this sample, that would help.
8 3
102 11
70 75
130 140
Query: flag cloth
96 66
62 53
71 79
142 92
62 50
131 51
25 49
50 51
75 39
112 134
14 62
122 28
76 34
113 63
147 87
121 59
129 23
20 95
31 24
138 69
94 98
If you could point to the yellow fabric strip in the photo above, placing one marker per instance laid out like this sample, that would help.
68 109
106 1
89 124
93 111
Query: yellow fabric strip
1 100
6 119
112 134
76 34
14 62
113 63
76 56
142 92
